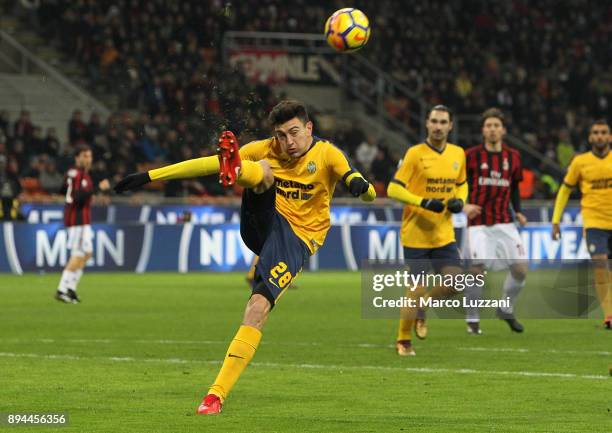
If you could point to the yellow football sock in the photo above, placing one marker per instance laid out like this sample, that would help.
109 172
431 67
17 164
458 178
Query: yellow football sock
405 329
602 285
239 354
408 314
251 174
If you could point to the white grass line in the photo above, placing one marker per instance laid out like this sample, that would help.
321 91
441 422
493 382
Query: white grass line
315 366
520 350
304 344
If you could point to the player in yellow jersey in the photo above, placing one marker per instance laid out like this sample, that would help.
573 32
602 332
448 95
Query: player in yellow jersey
289 179
431 182
592 172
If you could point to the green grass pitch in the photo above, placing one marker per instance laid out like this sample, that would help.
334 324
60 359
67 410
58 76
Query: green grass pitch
141 350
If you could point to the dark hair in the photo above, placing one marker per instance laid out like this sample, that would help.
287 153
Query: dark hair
287 110
599 122
80 149
443 108
492 112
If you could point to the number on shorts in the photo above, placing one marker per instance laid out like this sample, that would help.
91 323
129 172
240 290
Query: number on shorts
285 278
278 269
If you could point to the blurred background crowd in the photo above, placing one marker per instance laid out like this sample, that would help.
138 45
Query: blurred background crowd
163 61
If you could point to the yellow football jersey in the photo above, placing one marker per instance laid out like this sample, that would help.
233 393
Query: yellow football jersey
428 173
593 174
304 185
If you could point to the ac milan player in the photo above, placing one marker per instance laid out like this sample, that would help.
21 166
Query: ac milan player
77 218
494 173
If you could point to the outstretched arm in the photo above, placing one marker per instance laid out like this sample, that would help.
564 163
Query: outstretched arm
182 170
357 185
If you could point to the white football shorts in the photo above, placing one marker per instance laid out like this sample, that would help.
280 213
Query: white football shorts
80 240
497 246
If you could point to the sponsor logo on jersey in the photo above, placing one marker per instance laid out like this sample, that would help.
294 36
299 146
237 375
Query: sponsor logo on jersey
493 181
601 183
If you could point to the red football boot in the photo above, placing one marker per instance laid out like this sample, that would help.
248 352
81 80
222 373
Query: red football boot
211 405
608 322
229 158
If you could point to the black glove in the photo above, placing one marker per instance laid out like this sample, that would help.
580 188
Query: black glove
455 205
132 181
432 204
358 185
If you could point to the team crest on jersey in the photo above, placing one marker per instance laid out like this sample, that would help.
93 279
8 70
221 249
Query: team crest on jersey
592 248
84 183
311 167
484 166
505 165
455 165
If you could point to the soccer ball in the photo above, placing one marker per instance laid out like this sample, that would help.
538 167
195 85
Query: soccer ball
347 30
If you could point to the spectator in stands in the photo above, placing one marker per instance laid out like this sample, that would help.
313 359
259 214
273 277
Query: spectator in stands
109 56
565 149
23 127
94 128
20 156
383 166
366 153
77 130
527 186
4 122
36 143
50 179
99 171
549 185
3 144
166 55
9 190
52 143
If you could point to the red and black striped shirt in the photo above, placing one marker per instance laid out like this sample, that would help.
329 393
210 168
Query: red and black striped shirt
491 176
79 188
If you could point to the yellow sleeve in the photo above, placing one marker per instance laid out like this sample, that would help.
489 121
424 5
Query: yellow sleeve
462 192
341 169
339 165
562 198
406 169
398 188
572 177
398 192
462 175
190 168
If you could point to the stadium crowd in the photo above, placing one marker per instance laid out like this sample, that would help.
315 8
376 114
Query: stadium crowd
163 60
